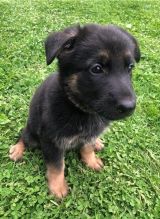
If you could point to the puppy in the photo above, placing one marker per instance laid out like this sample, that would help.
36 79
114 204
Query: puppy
72 107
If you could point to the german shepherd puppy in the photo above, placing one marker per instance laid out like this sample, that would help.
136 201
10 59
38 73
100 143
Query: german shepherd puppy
73 107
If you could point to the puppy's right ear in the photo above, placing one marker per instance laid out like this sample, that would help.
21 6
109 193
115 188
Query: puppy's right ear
59 41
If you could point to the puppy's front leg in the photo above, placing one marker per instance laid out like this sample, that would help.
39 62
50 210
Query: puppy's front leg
54 158
89 157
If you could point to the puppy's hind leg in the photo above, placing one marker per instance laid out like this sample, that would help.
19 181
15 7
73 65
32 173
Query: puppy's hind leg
26 140
17 150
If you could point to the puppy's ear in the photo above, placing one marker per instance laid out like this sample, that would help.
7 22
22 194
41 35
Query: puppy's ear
137 53
59 41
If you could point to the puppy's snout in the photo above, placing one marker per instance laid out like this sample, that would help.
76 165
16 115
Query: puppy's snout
126 106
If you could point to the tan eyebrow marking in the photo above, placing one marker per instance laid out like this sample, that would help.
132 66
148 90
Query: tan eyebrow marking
104 56
127 54
128 57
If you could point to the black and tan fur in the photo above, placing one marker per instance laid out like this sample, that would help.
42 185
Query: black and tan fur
73 107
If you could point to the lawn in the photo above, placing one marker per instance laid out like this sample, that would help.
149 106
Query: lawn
129 185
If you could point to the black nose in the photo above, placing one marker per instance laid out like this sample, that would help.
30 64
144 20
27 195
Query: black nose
126 106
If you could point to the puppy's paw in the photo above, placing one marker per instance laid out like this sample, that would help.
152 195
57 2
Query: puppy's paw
16 151
94 163
98 146
58 189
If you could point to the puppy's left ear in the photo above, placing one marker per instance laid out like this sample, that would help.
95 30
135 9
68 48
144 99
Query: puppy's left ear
136 50
137 53
60 41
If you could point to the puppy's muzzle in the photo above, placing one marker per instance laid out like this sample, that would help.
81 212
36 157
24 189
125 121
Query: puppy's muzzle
126 106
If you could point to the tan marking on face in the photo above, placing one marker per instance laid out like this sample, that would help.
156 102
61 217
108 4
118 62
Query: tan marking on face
56 181
16 151
72 83
104 53
89 157
127 54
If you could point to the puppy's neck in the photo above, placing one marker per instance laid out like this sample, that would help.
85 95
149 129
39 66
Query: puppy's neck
77 102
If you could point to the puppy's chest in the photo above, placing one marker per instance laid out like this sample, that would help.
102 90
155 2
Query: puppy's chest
81 133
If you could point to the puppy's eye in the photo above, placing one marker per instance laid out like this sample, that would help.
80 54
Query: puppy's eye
96 69
130 66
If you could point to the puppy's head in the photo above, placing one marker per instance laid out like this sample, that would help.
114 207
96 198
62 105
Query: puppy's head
95 64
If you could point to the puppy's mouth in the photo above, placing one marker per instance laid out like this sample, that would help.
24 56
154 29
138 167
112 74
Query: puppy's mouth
119 115
116 114
116 109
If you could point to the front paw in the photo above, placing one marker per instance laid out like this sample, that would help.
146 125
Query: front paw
93 162
56 181
98 146
58 188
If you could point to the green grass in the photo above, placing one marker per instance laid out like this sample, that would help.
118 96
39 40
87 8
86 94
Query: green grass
129 185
